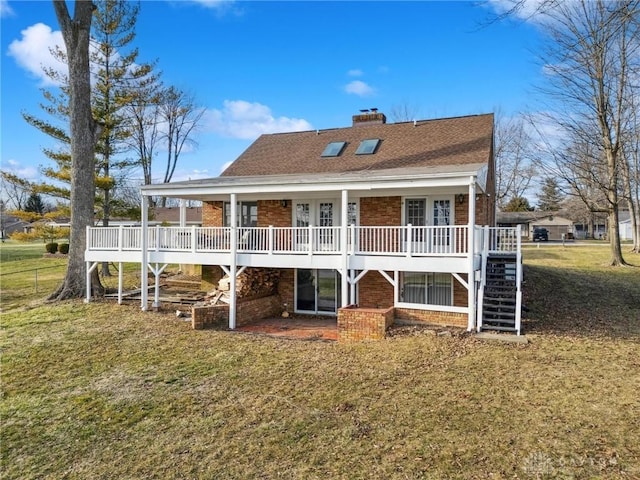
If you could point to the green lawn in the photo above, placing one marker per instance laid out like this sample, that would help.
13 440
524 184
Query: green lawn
102 391
11 251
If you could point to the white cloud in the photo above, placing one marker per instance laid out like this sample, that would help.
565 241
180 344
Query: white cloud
355 73
527 10
247 121
16 168
358 87
184 175
33 51
212 3
5 9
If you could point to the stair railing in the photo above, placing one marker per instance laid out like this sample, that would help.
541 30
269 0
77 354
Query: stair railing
483 276
519 273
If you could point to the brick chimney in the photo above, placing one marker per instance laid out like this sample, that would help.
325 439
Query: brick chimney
369 117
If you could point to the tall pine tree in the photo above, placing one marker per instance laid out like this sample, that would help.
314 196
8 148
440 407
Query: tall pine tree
550 197
118 78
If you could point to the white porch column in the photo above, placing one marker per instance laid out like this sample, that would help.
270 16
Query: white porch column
344 214
87 280
183 212
144 241
233 223
183 222
120 282
471 282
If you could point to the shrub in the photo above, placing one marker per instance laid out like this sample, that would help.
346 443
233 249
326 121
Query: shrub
51 247
63 248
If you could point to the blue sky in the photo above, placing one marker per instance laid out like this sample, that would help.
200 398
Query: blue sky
263 67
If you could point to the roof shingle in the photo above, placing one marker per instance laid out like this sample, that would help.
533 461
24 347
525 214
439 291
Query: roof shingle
425 143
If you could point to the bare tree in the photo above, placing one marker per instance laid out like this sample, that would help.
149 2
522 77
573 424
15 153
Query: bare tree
514 168
15 190
85 132
630 171
180 117
144 138
589 58
403 112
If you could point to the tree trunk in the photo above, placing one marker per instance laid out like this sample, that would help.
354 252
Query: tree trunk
614 238
84 134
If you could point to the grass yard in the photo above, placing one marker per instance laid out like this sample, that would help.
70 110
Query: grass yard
102 391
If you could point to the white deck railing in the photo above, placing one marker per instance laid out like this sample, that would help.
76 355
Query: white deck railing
361 240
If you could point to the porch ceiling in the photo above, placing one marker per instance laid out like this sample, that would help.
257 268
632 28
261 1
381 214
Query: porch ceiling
383 182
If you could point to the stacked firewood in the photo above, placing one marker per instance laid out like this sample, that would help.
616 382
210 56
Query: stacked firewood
252 283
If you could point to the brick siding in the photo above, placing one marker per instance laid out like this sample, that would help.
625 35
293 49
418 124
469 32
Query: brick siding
448 319
374 291
246 312
359 324
212 214
380 211
271 212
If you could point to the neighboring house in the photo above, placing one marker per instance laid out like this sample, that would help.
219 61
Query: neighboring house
556 225
624 222
176 216
376 215
10 224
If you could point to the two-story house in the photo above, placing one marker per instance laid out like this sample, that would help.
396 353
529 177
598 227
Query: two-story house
375 214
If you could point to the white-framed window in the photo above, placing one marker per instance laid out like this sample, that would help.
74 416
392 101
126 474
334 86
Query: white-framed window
247 214
415 211
323 213
426 288
422 211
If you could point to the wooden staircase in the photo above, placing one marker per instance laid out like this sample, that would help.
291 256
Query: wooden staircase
500 297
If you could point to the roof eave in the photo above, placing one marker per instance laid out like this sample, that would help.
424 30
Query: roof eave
277 185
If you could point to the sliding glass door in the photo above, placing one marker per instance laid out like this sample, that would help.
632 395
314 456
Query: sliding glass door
317 291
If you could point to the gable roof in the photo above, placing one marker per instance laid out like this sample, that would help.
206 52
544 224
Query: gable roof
528 217
425 143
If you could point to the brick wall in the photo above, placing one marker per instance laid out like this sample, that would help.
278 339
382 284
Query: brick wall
460 294
358 324
271 212
257 309
484 210
374 291
286 288
210 316
449 319
212 214
380 211
246 312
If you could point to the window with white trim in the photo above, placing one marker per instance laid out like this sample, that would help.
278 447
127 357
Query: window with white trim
247 214
426 288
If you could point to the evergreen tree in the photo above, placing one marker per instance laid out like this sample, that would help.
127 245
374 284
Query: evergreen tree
518 204
550 197
117 80
35 204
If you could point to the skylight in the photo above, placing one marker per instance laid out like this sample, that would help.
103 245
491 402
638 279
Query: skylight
333 149
367 147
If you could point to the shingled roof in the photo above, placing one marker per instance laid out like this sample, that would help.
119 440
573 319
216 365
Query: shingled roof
424 143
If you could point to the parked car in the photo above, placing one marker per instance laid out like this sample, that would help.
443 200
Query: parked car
540 234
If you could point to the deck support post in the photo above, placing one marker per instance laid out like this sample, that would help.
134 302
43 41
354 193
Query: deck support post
88 269
157 271
144 245
471 281
234 260
344 216
120 281
183 225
